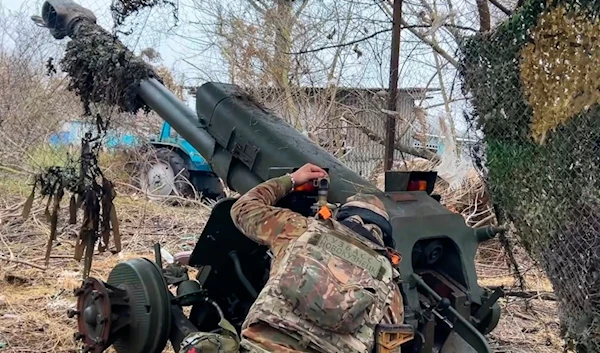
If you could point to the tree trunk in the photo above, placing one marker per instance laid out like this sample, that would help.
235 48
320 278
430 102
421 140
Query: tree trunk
485 22
284 23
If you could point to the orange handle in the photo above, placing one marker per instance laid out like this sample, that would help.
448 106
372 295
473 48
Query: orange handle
325 212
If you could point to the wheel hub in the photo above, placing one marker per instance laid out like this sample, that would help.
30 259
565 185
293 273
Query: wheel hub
95 315
130 311
159 180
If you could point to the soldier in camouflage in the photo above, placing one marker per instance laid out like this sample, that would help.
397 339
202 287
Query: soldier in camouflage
329 285
331 281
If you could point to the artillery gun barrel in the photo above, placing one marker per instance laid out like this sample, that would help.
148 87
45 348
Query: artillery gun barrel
276 142
289 148
187 124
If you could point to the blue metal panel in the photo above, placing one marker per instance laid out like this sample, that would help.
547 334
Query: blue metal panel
60 138
165 132
196 161
115 141
73 132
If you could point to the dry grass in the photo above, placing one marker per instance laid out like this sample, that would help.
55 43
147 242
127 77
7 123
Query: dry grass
33 302
526 325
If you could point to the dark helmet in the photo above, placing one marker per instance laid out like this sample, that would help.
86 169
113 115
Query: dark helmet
367 212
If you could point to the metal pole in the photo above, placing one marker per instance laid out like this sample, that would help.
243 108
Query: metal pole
390 124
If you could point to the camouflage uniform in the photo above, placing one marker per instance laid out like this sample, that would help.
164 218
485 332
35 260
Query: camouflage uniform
317 299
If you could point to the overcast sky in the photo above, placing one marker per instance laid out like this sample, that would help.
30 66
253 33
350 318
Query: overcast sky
154 29
101 8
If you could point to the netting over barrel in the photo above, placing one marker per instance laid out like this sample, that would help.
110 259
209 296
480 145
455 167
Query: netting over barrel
534 88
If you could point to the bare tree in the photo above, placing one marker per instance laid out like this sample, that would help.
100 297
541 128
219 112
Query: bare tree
33 96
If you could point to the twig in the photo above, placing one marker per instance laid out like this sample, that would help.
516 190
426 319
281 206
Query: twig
23 262
397 145
15 207
523 316
532 295
404 25
55 257
543 295
11 170
483 221
501 7
374 34
12 255
433 45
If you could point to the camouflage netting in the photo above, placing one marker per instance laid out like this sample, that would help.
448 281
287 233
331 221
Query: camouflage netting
123 9
534 84
102 70
106 76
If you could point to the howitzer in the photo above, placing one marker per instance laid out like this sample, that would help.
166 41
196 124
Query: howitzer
134 311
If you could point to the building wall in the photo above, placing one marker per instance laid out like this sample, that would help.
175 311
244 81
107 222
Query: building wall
353 126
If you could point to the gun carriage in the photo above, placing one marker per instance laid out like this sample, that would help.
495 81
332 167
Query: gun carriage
134 310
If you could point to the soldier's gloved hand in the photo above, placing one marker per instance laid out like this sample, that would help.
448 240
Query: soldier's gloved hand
307 173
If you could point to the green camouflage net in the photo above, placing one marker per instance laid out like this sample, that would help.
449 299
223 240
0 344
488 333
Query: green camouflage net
105 75
534 88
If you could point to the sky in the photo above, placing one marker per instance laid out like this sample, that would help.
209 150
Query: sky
101 9
182 56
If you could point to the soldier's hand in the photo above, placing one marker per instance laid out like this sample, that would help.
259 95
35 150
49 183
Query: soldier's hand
307 173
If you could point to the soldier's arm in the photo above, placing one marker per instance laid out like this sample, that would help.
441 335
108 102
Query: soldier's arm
255 216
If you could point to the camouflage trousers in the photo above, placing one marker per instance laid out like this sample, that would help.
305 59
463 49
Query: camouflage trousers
226 341
249 347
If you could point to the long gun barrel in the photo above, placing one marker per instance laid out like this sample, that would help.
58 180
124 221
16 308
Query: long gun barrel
242 141
238 137
246 144
236 175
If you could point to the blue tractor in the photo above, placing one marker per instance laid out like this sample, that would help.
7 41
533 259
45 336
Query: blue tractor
175 167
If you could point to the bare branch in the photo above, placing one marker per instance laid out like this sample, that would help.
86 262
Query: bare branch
22 262
433 45
444 103
374 34
301 8
255 4
485 22
501 7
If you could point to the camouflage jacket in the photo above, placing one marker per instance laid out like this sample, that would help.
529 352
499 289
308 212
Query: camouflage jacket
272 323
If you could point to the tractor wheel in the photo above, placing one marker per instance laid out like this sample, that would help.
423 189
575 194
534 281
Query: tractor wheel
209 185
165 174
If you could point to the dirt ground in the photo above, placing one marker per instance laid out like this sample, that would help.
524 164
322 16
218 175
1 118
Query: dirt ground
34 300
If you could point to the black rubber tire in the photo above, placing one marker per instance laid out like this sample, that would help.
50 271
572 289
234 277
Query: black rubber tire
209 185
178 165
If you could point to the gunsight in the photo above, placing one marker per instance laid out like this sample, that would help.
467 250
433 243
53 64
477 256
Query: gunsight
445 308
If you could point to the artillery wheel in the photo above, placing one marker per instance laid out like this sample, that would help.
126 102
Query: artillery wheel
131 311
165 174
150 306
93 313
